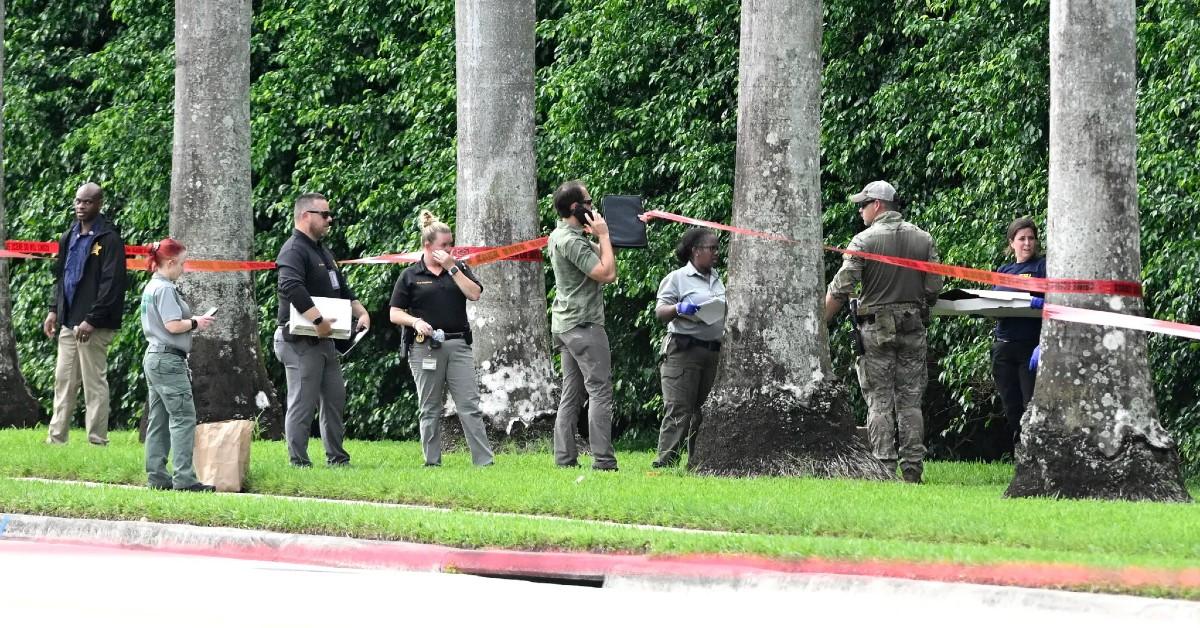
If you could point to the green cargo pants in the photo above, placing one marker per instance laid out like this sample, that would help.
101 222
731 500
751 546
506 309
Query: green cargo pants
687 378
171 421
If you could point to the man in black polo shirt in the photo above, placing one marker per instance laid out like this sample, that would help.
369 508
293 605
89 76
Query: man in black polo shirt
430 299
307 270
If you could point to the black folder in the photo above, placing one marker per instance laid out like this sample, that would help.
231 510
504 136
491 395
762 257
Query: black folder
625 229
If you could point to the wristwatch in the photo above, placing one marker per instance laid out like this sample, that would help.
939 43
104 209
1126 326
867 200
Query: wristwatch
453 270
318 320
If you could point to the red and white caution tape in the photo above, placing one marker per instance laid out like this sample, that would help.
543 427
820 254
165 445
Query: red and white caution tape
1030 284
1113 319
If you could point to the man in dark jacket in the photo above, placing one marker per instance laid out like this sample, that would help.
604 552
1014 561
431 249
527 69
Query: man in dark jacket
314 373
85 314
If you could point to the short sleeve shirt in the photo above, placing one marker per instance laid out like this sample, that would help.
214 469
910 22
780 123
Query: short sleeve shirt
578 299
688 284
434 298
162 303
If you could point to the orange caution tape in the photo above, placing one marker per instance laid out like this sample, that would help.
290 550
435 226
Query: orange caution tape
1031 284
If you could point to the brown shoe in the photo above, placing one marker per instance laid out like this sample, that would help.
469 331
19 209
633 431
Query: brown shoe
912 476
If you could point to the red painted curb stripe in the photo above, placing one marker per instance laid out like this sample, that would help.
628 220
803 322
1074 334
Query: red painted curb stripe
418 557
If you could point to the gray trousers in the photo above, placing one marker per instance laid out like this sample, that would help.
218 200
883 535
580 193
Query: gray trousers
314 375
453 367
687 378
170 422
587 374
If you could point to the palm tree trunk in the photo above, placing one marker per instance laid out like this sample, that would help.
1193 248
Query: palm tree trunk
17 406
211 209
776 407
497 204
1092 427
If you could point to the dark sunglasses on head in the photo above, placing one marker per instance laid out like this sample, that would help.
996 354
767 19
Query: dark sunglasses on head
327 215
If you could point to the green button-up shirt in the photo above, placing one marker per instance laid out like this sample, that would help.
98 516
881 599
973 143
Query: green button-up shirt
578 299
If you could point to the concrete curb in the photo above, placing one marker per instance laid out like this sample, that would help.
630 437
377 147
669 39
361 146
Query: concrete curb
635 572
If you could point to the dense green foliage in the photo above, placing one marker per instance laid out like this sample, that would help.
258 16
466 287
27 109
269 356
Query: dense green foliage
947 99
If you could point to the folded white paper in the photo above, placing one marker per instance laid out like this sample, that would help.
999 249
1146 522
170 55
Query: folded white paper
336 310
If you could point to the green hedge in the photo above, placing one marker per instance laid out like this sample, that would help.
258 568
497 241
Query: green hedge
946 99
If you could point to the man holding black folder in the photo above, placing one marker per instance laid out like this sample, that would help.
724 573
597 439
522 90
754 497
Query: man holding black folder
314 373
581 268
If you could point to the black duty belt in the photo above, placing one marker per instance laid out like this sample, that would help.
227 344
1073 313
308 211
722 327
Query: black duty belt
685 341
172 350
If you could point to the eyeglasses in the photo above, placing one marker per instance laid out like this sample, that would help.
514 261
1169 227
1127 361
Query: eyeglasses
706 247
327 215
586 201
863 205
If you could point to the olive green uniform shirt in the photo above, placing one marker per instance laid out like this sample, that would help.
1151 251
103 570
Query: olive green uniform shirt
578 299
883 284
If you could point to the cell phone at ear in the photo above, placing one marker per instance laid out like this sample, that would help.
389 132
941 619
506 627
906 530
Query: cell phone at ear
211 311
580 213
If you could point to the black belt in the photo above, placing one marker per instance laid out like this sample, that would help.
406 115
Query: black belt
172 350
684 341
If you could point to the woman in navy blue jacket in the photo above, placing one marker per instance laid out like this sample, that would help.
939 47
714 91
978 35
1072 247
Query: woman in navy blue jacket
1016 338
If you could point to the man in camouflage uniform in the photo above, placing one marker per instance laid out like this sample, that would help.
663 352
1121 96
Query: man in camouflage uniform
893 312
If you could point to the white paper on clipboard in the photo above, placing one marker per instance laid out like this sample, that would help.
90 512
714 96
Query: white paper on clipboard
711 312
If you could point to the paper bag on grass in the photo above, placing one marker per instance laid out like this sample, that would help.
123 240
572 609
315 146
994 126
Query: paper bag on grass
222 454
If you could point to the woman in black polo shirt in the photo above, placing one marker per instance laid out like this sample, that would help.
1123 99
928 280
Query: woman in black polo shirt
430 300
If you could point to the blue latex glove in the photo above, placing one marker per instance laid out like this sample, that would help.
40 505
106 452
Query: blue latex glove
1037 303
1033 359
686 308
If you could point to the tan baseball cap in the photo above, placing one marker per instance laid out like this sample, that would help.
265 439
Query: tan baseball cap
881 190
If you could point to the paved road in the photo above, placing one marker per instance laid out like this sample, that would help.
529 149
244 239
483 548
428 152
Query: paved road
46 584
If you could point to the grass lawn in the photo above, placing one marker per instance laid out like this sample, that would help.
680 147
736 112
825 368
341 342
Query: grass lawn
957 516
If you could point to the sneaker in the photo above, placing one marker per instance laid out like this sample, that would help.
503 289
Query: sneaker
198 488
342 463
433 464
594 468
301 465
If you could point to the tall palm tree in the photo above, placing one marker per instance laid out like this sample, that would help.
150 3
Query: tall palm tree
1092 427
17 406
211 210
776 407
497 204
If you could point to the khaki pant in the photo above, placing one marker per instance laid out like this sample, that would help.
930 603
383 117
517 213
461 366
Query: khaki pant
453 368
687 378
86 363
892 375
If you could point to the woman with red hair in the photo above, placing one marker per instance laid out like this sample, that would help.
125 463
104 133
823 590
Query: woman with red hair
168 324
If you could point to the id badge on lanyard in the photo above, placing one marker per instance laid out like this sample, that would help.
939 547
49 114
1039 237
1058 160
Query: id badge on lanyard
333 281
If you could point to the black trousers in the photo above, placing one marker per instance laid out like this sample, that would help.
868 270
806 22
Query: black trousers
1014 380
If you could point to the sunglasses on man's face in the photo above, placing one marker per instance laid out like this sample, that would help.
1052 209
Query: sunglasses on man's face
863 205
327 215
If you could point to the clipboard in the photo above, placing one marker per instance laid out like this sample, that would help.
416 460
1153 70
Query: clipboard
711 312
625 229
